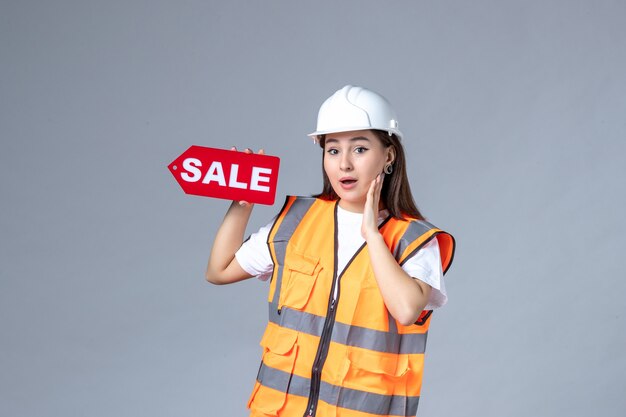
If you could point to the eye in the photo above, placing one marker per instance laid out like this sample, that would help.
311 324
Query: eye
332 151
360 149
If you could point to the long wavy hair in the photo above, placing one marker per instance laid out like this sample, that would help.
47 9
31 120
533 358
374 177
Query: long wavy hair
396 193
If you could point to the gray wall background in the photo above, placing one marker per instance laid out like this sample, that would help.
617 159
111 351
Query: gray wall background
515 118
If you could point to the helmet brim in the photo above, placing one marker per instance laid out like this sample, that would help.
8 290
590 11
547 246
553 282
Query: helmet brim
314 135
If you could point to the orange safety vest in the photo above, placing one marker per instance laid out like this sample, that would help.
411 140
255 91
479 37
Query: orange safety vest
343 355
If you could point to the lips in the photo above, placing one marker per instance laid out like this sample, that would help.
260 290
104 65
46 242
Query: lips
347 183
347 180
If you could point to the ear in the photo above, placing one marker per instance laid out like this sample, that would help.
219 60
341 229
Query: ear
391 155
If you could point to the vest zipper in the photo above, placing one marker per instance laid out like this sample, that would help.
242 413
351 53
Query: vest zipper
322 349
322 352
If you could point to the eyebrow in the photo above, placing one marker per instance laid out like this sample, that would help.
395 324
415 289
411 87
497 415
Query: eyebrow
354 139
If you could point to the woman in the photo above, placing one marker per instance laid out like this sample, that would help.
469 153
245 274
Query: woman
355 273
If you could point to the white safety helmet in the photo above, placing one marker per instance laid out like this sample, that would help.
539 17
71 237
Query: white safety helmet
356 108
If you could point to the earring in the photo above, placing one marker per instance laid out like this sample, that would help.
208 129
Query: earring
388 169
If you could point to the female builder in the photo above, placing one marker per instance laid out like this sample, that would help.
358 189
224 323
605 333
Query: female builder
355 273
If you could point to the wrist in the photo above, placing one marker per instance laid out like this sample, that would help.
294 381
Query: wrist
373 235
237 207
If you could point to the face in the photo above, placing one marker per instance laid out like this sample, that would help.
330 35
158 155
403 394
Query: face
352 160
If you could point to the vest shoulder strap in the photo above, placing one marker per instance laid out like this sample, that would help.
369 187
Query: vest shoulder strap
417 234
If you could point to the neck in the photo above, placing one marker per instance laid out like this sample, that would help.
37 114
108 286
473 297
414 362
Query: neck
357 208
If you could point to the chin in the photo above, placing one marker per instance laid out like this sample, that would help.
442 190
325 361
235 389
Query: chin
352 202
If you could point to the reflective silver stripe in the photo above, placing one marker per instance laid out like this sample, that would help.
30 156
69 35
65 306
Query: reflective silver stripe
345 334
367 402
283 381
415 229
290 222
393 326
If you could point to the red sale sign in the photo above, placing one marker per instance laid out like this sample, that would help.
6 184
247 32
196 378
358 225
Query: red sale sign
227 174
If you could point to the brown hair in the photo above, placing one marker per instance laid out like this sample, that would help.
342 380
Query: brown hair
396 193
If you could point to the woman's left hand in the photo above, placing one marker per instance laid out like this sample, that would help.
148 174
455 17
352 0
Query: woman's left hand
369 226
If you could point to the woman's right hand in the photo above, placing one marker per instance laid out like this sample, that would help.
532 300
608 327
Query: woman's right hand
243 203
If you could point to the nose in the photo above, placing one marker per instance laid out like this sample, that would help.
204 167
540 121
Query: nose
346 162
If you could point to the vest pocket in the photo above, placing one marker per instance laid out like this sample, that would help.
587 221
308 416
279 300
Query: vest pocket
376 372
302 272
280 351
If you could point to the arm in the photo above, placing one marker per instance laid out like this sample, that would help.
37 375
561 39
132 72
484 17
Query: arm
404 296
223 267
